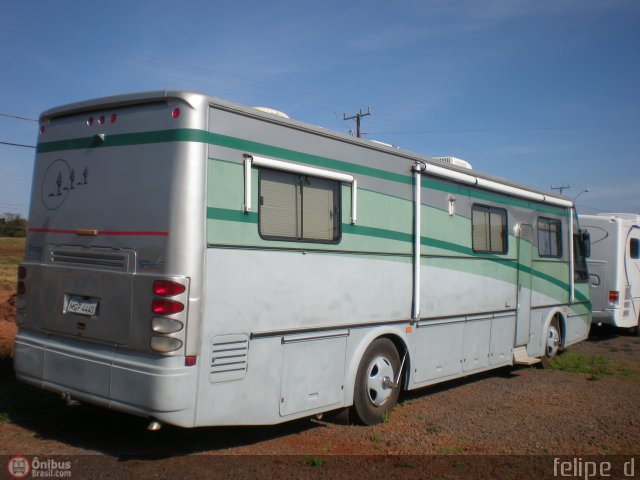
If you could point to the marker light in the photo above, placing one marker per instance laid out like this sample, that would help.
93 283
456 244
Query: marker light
175 113
190 361
101 119
166 288
113 118
89 121
42 130
165 344
162 306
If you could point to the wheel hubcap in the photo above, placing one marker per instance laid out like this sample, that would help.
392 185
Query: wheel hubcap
553 341
379 378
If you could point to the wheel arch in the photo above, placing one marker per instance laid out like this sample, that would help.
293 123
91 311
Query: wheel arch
555 313
397 336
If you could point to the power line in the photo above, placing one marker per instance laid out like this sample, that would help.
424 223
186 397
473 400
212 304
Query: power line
18 117
16 145
507 129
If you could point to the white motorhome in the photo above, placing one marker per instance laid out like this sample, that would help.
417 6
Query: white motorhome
200 263
614 268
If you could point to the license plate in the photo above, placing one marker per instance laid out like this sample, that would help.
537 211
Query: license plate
82 306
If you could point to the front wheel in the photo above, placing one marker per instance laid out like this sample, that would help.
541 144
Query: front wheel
553 343
375 392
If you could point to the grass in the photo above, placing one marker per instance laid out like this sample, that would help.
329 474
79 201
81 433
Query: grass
595 367
11 253
312 461
433 429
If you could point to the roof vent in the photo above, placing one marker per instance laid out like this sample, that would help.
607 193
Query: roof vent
272 111
458 162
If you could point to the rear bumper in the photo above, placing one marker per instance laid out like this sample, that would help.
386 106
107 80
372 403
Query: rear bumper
613 317
135 383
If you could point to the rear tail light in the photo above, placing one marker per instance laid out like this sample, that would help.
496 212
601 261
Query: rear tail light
165 325
166 288
165 344
175 113
614 297
190 360
162 306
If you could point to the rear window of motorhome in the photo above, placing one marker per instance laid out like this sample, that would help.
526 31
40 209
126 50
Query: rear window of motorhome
297 207
489 229
549 237
634 248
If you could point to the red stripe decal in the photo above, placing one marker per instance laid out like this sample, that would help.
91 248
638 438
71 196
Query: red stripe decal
100 232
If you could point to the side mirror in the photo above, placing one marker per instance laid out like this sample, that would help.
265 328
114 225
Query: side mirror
585 240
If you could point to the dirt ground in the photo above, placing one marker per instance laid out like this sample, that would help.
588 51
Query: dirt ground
520 422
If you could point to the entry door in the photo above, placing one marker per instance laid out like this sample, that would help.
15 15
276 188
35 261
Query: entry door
525 249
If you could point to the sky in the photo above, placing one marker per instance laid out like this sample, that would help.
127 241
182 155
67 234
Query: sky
542 92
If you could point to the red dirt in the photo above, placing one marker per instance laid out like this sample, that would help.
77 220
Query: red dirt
510 423
8 326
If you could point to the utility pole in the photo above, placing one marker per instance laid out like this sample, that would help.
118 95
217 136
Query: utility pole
358 116
561 188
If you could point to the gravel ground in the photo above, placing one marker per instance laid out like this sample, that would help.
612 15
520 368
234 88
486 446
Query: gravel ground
509 423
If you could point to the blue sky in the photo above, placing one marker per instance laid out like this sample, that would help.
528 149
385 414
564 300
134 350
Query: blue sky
541 92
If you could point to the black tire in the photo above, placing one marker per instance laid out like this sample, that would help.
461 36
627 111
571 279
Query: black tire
373 397
552 343
635 331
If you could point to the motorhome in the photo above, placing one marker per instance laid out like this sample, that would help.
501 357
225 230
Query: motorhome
614 267
197 262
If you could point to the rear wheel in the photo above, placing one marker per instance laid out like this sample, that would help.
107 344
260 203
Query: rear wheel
552 343
375 392
635 331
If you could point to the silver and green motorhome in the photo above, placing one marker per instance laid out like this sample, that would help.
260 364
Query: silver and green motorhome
202 263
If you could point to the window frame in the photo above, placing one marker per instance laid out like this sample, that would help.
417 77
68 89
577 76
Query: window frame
504 214
302 239
558 235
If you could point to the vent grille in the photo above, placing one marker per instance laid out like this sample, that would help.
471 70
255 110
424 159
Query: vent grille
117 261
229 357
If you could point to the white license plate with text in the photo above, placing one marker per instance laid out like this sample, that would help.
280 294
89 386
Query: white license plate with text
82 306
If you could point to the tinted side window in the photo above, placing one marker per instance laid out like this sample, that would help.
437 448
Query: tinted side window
489 229
580 271
549 237
634 248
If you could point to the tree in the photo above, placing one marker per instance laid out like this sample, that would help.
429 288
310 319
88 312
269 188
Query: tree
12 225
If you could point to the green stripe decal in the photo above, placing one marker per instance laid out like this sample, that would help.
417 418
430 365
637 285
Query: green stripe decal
231 215
126 139
252 217
285 154
248 146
